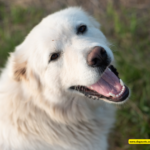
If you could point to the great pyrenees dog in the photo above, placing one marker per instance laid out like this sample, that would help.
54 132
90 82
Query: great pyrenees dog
58 86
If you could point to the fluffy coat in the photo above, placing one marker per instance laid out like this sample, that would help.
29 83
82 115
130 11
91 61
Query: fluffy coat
37 110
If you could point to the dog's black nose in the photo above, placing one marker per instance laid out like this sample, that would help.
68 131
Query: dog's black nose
97 57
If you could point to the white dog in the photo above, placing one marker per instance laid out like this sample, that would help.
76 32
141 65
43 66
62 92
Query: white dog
49 84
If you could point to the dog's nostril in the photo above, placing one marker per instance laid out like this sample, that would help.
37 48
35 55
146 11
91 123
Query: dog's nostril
102 51
95 61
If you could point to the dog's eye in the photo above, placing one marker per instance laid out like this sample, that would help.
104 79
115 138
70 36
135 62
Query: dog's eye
81 29
54 56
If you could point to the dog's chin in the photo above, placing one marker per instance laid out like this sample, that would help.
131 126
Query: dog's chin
109 88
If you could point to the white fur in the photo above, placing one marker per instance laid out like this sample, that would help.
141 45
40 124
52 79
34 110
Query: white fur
37 109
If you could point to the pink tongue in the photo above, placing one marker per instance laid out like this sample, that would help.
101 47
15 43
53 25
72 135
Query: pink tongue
108 83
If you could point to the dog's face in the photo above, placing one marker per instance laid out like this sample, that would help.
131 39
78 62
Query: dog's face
67 53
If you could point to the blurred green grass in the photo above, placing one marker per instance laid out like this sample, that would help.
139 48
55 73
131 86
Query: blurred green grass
129 35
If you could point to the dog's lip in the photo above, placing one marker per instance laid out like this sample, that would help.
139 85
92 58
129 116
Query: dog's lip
96 96
122 97
95 93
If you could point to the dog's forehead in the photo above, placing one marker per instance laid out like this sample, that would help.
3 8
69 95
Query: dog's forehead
59 29
70 17
61 24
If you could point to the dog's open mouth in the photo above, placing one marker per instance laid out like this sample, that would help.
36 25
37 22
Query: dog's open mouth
109 87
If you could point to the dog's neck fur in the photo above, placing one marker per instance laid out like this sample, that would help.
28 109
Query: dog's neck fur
35 118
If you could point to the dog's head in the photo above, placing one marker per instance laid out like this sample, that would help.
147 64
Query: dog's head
67 54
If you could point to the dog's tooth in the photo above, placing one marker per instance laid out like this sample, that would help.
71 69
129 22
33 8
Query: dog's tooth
109 69
121 82
113 95
91 87
123 87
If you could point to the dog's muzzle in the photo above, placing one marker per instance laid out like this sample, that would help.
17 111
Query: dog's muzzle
109 87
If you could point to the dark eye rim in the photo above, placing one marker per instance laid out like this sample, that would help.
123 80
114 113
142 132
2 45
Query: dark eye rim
81 29
55 58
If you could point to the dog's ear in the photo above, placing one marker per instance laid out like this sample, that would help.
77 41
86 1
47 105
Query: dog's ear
19 65
19 69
